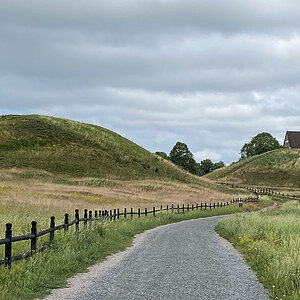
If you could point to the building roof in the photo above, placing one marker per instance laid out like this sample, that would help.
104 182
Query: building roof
293 138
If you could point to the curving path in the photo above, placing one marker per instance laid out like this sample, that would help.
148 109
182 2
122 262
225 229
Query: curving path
186 260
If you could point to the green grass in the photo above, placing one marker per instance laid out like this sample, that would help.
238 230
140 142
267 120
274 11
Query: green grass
277 168
270 242
34 277
68 148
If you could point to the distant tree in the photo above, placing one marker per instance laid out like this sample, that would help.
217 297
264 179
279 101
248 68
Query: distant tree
219 165
261 143
200 171
207 166
181 156
162 154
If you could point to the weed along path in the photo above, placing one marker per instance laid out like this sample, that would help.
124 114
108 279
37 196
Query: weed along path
186 260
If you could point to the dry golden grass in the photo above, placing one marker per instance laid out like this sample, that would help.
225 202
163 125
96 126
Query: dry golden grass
24 199
50 196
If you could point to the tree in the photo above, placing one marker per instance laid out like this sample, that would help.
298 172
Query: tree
181 156
219 165
162 154
207 166
261 143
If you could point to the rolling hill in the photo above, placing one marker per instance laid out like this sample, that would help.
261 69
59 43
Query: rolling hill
277 168
48 162
71 148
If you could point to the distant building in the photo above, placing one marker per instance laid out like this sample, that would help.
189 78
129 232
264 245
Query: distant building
292 140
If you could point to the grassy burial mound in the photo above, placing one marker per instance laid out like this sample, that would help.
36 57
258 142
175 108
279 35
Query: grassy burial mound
53 164
278 168
71 148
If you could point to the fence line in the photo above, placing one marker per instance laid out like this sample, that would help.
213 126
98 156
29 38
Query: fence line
264 191
90 216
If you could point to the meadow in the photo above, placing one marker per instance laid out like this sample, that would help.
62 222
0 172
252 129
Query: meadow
270 243
34 277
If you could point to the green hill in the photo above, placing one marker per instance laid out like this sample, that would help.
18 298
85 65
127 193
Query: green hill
70 148
279 168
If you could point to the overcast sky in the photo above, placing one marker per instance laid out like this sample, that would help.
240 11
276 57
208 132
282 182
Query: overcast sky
210 73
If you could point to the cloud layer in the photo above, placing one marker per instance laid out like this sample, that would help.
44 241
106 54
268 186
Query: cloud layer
208 73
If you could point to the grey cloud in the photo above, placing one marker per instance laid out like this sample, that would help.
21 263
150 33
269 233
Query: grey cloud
143 16
209 73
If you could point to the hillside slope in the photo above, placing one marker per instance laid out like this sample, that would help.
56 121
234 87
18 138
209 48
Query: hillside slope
279 168
71 148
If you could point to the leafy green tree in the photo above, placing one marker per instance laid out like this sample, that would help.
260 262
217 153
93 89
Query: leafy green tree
219 165
162 154
207 166
181 156
261 143
200 171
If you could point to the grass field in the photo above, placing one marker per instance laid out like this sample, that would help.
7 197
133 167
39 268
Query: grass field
270 242
35 276
277 169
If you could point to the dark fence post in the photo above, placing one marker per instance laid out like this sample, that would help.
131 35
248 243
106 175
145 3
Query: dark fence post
139 212
188 207
66 222
125 212
161 208
214 204
167 207
118 213
110 214
85 215
52 225
172 207
146 212
131 212
210 206
153 211
183 207
90 216
201 206
33 240
192 206
77 220
115 212
8 235
96 214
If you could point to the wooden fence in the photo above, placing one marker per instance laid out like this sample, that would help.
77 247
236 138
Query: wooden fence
264 191
113 214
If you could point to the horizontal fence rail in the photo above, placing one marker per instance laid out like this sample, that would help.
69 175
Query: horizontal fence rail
262 191
88 217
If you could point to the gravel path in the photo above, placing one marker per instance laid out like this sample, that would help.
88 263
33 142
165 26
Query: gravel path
186 260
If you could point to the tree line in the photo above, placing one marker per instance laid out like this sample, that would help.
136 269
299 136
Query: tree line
181 156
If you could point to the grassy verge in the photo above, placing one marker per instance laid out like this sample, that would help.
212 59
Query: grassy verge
270 242
34 277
